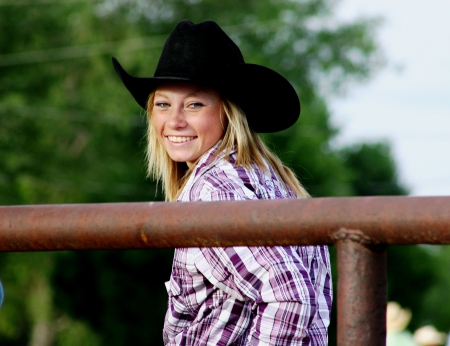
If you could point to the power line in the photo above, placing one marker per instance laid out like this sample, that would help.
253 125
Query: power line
55 54
81 51
43 2
57 114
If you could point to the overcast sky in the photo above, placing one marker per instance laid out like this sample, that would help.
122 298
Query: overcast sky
410 108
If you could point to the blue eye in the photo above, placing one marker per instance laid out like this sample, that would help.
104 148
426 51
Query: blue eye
161 104
196 105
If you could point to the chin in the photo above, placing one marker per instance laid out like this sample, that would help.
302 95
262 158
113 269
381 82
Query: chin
179 159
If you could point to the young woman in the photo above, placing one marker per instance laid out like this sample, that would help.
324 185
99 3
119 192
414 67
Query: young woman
205 106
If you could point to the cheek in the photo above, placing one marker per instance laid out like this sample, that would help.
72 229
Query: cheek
217 123
211 130
219 130
219 126
158 126
156 133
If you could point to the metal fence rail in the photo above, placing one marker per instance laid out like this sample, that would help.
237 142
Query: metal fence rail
359 227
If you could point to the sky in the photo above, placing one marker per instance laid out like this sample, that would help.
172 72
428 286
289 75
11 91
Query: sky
408 102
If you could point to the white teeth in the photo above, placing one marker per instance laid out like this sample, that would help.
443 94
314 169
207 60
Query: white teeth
177 139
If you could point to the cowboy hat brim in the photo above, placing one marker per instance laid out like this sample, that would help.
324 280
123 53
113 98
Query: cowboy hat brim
268 100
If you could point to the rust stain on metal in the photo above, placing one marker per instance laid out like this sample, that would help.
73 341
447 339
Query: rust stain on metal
353 235
144 237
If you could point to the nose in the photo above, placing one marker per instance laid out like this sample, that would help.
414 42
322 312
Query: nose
177 118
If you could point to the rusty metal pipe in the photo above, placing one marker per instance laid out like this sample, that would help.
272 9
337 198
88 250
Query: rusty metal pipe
361 303
390 220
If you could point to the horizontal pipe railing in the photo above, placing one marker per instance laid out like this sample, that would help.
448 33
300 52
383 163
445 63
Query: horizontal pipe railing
377 220
360 228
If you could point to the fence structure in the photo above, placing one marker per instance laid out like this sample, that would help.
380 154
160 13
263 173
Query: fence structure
359 227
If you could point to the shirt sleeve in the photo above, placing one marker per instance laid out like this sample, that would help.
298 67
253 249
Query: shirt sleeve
289 288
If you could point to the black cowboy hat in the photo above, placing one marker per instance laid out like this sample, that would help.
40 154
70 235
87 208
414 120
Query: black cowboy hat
204 54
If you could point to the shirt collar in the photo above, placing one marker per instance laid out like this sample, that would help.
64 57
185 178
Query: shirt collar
207 161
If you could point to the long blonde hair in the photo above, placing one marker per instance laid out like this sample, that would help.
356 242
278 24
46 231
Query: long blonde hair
249 147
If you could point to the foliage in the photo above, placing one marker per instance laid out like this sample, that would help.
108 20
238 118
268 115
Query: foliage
373 170
123 295
414 272
72 134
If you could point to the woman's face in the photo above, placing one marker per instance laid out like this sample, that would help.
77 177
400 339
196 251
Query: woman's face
187 120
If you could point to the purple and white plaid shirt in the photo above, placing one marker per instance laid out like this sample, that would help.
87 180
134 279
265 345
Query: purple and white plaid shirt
246 295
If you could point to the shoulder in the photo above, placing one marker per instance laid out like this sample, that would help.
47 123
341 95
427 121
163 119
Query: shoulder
223 182
222 179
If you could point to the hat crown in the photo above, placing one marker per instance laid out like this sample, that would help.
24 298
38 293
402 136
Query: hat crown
196 49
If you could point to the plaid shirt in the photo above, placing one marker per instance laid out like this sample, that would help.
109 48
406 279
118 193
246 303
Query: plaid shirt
246 295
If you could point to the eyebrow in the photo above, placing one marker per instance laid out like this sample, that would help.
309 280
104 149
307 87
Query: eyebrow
195 93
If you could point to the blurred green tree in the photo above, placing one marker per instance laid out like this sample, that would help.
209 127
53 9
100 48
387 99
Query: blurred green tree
373 170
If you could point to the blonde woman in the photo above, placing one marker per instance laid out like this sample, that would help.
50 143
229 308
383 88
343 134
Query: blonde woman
205 107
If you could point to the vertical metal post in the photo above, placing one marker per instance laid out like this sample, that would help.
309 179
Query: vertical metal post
361 298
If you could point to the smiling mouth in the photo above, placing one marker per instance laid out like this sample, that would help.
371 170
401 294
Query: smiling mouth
180 139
